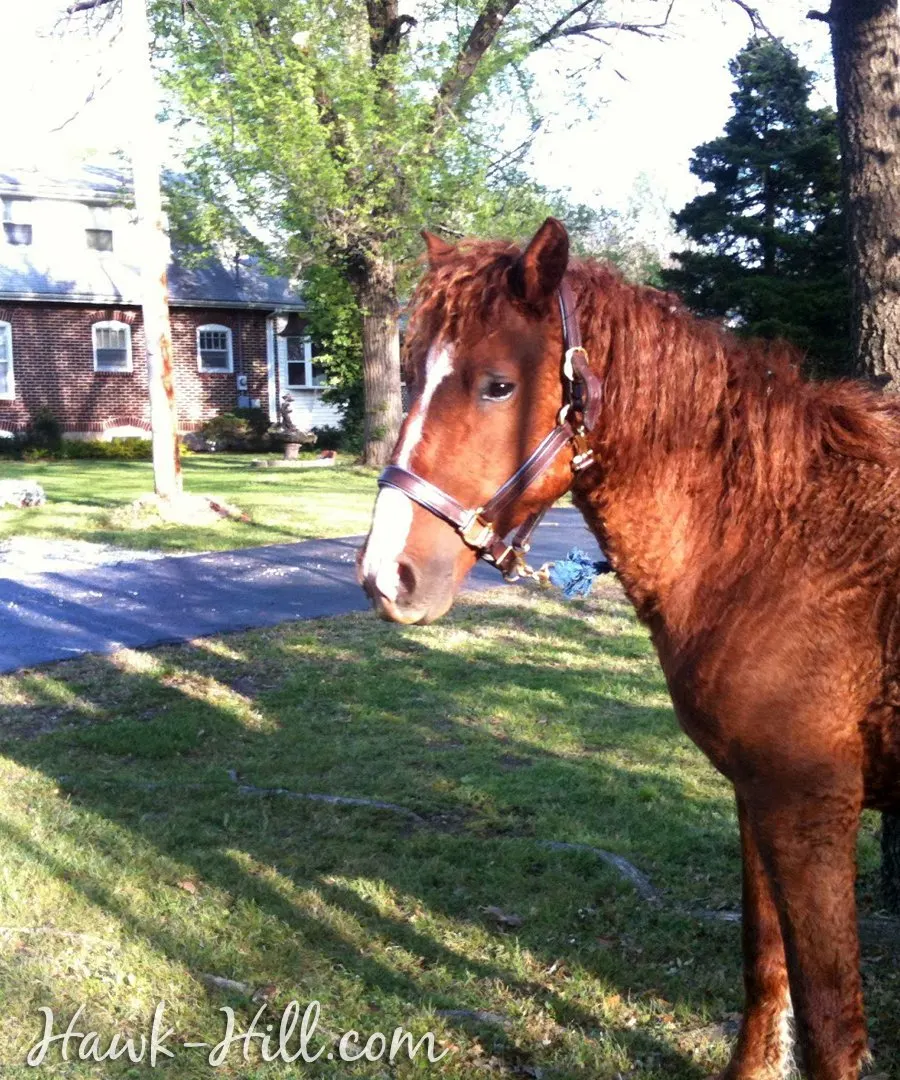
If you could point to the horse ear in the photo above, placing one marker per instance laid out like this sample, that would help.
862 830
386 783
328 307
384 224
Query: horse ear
537 272
436 247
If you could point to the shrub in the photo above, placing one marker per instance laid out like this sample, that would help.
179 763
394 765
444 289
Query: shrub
329 438
119 449
227 431
44 432
258 422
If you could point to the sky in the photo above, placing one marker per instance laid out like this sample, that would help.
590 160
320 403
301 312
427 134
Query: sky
653 101
663 98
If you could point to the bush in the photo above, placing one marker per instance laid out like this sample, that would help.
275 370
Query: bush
258 422
227 431
329 438
44 432
120 449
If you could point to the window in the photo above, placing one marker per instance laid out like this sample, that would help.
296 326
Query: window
7 386
99 228
112 346
302 371
214 348
17 221
99 239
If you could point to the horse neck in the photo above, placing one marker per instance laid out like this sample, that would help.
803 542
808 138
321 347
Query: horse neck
681 484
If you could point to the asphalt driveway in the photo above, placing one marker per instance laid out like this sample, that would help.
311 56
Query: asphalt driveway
57 609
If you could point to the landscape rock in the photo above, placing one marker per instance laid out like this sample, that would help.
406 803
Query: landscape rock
20 493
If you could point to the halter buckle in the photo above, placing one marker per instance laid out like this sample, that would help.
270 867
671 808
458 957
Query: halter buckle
519 568
568 365
584 455
475 531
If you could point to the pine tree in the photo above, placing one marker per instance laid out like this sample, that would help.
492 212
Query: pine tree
767 250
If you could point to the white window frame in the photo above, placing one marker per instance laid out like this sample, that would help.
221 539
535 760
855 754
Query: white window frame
307 361
13 214
218 328
113 324
98 218
10 392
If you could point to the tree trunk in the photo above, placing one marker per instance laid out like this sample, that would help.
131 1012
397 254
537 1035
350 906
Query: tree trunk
375 286
865 41
153 247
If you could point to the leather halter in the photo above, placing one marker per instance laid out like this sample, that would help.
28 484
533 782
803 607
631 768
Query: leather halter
581 406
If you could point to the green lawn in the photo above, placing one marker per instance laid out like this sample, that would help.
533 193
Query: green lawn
90 500
134 866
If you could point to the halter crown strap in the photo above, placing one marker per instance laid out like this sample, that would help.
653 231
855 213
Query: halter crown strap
582 391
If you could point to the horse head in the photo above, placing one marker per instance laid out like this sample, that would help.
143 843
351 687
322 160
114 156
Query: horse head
484 349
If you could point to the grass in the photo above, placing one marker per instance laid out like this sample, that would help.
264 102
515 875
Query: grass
90 500
125 842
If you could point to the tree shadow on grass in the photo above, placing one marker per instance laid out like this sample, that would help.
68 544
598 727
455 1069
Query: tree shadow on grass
355 708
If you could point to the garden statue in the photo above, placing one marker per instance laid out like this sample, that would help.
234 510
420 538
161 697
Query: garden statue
287 433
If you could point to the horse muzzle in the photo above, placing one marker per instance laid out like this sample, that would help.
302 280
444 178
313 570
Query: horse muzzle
400 593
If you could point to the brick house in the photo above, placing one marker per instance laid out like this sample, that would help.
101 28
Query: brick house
71 333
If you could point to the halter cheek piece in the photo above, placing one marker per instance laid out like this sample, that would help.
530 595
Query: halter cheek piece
577 417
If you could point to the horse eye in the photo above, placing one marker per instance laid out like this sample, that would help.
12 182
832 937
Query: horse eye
498 390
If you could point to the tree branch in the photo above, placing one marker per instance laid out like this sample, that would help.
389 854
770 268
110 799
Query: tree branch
756 20
560 30
480 39
820 16
86 5
94 91
549 34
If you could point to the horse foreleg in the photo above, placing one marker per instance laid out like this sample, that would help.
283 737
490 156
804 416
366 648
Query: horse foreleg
763 1051
806 837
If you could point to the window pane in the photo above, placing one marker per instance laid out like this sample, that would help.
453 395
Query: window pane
296 373
214 360
4 343
17 234
216 340
112 359
296 348
17 210
111 337
319 375
99 239
98 216
4 374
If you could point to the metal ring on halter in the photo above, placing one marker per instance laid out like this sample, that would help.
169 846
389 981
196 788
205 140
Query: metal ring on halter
568 366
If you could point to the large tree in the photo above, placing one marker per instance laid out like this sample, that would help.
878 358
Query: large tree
340 129
865 41
766 244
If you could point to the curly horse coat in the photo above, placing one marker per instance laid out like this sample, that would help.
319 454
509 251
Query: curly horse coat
753 518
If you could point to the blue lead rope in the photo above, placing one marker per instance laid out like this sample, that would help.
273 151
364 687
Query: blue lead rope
575 574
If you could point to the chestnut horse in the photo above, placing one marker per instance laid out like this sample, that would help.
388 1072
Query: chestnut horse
753 519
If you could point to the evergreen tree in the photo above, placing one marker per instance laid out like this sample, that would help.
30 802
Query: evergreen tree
767 250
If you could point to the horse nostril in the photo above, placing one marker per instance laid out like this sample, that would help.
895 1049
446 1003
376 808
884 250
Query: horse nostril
406 576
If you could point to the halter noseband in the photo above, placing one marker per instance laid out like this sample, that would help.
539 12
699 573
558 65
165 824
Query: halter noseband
581 405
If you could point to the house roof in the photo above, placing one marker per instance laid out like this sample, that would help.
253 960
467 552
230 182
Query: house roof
82 183
60 274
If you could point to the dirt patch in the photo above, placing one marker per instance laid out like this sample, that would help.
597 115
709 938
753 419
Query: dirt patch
184 509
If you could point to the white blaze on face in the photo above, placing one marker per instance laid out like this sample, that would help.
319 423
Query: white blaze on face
393 514
438 366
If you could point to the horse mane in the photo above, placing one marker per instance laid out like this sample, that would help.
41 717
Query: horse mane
675 383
